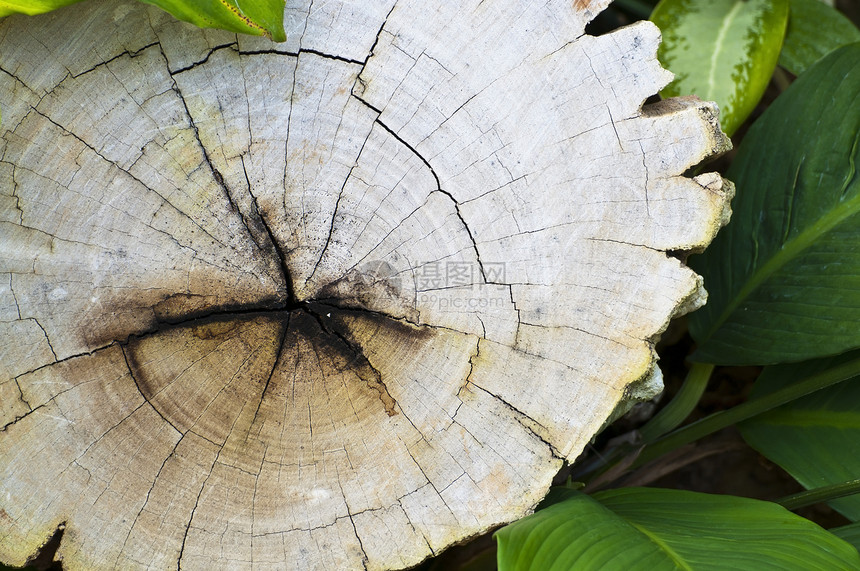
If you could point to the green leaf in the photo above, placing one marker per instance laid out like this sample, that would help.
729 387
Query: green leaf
31 7
784 276
816 439
849 533
255 17
655 529
814 30
721 50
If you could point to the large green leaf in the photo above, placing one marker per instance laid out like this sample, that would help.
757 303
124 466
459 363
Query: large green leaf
816 439
31 7
721 50
814 30
655 529
784 276
255 17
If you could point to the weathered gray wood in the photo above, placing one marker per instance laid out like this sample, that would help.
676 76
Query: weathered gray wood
335 303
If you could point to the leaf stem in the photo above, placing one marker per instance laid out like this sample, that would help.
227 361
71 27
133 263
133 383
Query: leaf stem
818 495
681 405
725 418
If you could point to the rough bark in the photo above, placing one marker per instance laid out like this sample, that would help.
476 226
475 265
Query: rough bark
334 303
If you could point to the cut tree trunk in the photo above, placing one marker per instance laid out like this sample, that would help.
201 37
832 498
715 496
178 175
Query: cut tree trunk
334 303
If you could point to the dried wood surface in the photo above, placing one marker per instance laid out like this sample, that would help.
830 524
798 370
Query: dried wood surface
329 304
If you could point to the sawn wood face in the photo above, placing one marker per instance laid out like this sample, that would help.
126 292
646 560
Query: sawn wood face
336 303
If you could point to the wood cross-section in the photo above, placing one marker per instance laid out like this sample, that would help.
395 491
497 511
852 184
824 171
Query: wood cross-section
336 303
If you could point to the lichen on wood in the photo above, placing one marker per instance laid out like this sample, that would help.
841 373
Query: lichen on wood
334 303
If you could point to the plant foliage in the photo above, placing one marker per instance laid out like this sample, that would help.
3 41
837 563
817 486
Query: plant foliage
656 529
721 50
814 30
815 439
784 276
31 7
254 17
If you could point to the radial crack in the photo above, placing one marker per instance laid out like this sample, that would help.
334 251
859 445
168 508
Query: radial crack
275 361
376 384
439 189
146 500
350 514
376 39
47 340
334 214
525 421
137 180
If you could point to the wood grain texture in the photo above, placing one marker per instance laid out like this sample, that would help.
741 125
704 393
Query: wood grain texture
336 303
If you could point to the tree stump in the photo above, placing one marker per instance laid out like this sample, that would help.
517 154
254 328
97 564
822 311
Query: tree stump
334 303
